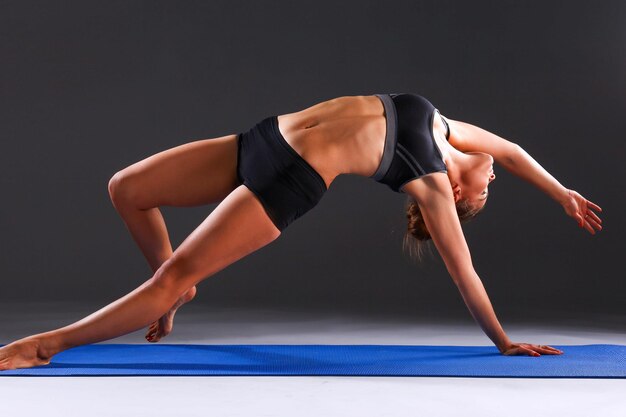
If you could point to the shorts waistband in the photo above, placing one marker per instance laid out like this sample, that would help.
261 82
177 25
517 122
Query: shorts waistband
390 137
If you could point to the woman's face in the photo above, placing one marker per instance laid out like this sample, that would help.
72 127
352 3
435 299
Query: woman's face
476 179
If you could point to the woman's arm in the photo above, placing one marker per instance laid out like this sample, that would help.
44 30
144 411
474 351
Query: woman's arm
467 138
434 196
436 204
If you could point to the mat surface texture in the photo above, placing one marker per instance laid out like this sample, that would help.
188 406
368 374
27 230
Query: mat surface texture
577 361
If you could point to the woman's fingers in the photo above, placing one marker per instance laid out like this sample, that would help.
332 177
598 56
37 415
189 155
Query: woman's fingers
594 216
594 223
591 224
549 350
586 218
588 227
583 212
546 350
531 352
594 206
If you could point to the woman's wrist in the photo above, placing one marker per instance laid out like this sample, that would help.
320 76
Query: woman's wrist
563 196
504 346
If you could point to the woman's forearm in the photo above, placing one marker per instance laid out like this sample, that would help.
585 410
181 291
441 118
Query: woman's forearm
479 305
521 164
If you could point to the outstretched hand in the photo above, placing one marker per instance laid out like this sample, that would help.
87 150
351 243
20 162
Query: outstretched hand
530 350
581 210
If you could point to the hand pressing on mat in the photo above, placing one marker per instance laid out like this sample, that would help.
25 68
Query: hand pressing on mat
530 350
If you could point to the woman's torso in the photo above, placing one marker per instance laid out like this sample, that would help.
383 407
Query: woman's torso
344 135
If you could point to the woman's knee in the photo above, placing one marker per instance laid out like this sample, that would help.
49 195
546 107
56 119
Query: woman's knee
121 189
176 275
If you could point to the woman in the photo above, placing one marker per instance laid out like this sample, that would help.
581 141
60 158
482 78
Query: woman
277 171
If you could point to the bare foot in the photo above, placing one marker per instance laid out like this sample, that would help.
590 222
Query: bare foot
23 353
163 326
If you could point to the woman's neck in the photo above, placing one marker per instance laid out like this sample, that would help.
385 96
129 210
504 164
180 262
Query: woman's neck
456 162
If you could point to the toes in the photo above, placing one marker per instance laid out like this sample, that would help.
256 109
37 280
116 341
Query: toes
153 327
160 328
153 333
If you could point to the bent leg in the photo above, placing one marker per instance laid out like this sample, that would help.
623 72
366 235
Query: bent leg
195 173
237 227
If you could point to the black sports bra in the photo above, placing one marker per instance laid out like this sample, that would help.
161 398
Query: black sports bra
410 149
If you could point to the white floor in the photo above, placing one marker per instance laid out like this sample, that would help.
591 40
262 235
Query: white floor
310 396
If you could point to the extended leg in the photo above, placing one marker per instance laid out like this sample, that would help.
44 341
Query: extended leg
237 227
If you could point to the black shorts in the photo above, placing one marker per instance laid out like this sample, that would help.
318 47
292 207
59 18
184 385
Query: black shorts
284 182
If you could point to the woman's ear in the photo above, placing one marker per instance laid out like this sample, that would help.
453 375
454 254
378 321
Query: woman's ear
456 191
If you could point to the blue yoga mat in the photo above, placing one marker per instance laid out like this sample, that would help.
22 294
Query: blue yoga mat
577 361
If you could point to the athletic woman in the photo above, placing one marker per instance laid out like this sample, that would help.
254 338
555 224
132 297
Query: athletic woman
277 171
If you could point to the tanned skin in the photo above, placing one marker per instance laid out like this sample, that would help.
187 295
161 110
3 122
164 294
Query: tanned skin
344 135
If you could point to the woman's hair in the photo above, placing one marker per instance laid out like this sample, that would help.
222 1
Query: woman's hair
417 234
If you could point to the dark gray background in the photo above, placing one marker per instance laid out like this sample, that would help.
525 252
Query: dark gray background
90 87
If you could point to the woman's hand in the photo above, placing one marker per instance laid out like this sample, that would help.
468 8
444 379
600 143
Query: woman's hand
528 349
580 209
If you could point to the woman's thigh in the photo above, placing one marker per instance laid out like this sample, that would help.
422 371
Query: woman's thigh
237 227
195 173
